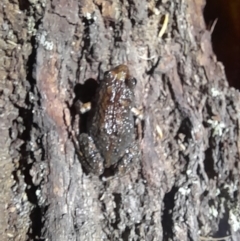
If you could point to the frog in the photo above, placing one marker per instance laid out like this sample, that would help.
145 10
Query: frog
109 141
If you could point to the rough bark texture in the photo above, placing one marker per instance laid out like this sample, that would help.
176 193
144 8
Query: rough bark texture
186 186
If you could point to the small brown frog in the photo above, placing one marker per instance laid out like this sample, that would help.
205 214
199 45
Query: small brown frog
110 141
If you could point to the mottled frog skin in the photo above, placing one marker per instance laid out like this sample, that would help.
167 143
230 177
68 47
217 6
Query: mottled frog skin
110 139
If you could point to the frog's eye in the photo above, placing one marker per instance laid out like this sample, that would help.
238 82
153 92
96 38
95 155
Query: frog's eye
108 75
131 82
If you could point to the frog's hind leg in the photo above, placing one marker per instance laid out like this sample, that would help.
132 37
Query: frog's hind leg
90 157
129 160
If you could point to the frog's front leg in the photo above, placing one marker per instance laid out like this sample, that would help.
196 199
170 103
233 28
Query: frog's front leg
90 156
129 159
82 108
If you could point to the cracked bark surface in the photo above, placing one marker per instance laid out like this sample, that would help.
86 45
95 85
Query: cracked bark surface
186 186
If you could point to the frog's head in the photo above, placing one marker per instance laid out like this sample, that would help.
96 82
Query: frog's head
120 74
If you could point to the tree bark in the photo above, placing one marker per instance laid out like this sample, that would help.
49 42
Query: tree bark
186 184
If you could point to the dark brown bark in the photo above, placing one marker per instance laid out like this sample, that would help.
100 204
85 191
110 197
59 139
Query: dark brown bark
186 185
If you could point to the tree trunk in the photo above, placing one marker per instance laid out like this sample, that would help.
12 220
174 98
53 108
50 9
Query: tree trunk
186 183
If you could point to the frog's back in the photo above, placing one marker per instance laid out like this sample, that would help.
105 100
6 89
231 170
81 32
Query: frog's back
112 123
112 130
